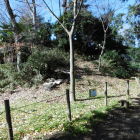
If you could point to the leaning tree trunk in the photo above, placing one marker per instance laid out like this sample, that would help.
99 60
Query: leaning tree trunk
102 51
72 74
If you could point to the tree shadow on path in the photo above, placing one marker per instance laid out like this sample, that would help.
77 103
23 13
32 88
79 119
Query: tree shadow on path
118 124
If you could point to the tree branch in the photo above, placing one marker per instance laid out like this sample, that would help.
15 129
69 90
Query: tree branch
60 7
81 3
75 13
24 1
55 16
29 6
11 14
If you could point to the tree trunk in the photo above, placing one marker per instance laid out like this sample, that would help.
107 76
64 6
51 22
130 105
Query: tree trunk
72 74
100 61
18 52
102 51
76 10
18 60
34 14
15 29
11 14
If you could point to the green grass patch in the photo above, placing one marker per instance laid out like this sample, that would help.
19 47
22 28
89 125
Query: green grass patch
86 122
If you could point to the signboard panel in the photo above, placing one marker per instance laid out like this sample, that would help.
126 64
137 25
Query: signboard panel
92 93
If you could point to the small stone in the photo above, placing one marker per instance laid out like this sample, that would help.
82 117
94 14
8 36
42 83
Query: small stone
27 138
59 81
51 83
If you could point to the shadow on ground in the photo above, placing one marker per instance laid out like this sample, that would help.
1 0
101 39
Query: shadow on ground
98 97
118 124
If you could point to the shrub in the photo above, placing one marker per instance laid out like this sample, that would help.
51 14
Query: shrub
116 65
39 66
42 64
7 74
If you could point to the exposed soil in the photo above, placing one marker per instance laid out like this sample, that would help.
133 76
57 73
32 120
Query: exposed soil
87 77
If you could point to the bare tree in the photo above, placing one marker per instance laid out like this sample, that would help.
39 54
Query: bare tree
32 7
105 10
76 11
105 20
15 30
12 18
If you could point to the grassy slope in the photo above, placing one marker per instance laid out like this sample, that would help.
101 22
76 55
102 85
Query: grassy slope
39 119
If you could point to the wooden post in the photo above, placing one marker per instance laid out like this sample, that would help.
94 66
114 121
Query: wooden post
127 104
68 104
8 119
122 103
106 103
128 93
128 88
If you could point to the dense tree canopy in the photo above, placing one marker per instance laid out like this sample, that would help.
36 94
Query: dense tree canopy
88 34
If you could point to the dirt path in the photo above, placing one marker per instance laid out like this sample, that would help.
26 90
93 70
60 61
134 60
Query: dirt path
120 124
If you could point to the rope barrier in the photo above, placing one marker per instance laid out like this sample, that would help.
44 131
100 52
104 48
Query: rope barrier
47 101
38 115
1 113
